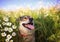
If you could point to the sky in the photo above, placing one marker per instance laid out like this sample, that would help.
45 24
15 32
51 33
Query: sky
32 4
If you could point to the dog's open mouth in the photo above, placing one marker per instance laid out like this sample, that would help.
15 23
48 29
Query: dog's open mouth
29 26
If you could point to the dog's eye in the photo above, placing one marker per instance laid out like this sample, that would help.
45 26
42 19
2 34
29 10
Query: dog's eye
25 18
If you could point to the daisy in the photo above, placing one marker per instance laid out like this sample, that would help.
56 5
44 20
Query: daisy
7 40
6 29
13 34
11 40
9 36
14 27
10 29
3 34
5 19
8 23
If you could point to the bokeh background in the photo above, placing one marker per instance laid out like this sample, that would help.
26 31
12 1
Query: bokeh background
46 14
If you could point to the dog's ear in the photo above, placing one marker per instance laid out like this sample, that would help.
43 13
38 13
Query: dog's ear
18 19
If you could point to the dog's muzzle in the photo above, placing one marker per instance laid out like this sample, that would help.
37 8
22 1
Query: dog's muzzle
31 20
29 25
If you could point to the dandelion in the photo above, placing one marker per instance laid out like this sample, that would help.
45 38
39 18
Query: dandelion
10 29
14 27
9 36
11 40
3 34
5 19
13 34
6 29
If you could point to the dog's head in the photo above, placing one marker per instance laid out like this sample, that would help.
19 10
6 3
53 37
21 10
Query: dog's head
27 22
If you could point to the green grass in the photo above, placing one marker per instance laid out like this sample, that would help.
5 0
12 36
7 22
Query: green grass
47 28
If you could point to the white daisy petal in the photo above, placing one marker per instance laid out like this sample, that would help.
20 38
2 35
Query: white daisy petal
3 23
13 34
10 29
14 27
8 23
7 40
0 25
9 36
11 40
3 34
5 19
6 29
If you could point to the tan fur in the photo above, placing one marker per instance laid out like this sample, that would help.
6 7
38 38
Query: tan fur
30 33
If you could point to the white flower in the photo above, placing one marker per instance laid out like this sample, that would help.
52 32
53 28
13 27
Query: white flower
14 27
3 23
10 29
0 26
11 40
13 34
9 36
8 23
7 40
5 19
3 34
5 29
0 20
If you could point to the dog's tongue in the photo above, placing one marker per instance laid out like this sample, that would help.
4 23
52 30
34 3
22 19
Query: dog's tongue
30 26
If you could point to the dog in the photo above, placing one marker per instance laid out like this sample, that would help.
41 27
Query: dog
26 28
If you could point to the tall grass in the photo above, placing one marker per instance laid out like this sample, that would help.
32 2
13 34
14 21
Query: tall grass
47 25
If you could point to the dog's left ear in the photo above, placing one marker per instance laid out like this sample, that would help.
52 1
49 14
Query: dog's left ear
19 19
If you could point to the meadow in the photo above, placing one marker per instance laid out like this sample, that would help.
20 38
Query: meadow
47 24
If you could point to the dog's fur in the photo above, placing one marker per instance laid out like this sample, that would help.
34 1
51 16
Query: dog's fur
27 33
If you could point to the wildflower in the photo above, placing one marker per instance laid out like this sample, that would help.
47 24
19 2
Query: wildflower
14 27
5 19
10 29
3 23
3 34
9 36
7 40
8 23
0 26
13 34
6 29
11 40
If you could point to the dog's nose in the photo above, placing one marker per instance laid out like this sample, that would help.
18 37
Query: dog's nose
31 19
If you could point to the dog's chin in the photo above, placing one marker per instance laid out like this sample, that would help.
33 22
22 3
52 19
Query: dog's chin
29 26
